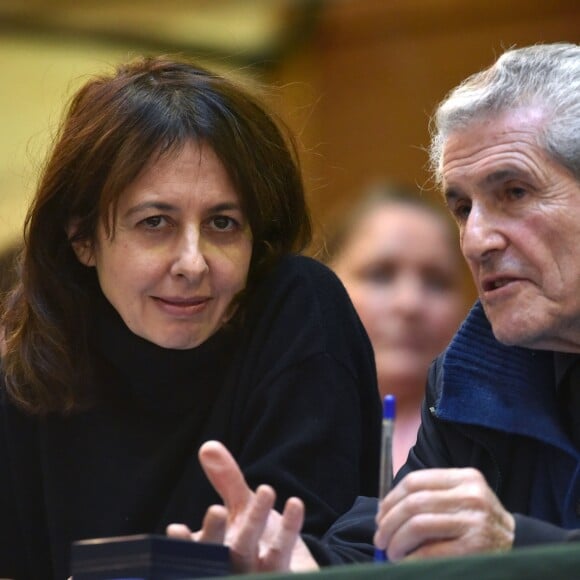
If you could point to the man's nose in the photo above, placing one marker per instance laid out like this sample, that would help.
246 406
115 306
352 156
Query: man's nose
482 234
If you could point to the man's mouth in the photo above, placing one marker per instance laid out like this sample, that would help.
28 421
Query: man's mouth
497 283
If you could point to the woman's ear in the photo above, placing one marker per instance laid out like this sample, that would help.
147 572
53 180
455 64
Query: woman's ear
82 248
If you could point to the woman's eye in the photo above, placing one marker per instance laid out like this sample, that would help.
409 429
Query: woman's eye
153 222
223 223
437 282
379 275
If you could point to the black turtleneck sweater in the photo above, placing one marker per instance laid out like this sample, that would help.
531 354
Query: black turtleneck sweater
291 392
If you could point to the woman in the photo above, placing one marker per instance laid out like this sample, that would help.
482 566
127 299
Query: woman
398 257
160 305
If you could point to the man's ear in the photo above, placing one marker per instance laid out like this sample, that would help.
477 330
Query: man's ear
82 248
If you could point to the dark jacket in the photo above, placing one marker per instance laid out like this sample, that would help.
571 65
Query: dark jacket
495 408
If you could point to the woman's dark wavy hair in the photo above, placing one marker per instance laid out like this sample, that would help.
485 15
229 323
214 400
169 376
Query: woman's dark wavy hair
114 125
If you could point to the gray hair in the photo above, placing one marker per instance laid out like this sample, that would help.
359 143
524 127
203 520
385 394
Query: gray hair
545 76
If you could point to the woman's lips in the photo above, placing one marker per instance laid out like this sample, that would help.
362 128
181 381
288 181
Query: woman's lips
182 306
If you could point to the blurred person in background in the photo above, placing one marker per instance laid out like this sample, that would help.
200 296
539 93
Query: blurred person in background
397 254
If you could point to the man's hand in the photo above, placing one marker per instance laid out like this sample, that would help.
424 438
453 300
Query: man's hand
442 512
259 538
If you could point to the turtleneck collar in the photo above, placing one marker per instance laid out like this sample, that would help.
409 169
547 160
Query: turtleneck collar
507 388
161 379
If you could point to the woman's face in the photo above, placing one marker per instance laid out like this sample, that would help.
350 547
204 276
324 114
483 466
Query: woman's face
180 250
404 279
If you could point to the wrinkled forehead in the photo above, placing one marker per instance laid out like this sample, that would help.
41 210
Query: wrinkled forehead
493 146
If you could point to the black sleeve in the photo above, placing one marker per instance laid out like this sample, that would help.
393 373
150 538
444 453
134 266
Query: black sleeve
531 531
304 438
12 556
350 538
24 547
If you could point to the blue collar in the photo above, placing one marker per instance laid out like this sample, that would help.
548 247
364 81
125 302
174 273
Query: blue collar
505 388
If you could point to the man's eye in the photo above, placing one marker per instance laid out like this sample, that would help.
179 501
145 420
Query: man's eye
516 192
461 211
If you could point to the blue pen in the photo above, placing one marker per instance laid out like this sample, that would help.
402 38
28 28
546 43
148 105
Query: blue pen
386 473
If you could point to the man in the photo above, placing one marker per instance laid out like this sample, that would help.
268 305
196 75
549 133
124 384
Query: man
496 463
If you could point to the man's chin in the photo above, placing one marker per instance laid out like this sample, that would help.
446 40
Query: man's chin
507 329
514 332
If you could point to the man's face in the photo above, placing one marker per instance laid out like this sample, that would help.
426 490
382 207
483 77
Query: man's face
519 217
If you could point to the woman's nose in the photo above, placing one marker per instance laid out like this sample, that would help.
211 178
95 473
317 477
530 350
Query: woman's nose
408 294
189 260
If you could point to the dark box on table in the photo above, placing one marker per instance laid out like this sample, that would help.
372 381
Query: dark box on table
147 557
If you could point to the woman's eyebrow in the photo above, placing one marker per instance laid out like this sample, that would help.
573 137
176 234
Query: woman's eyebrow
156 205
225 206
